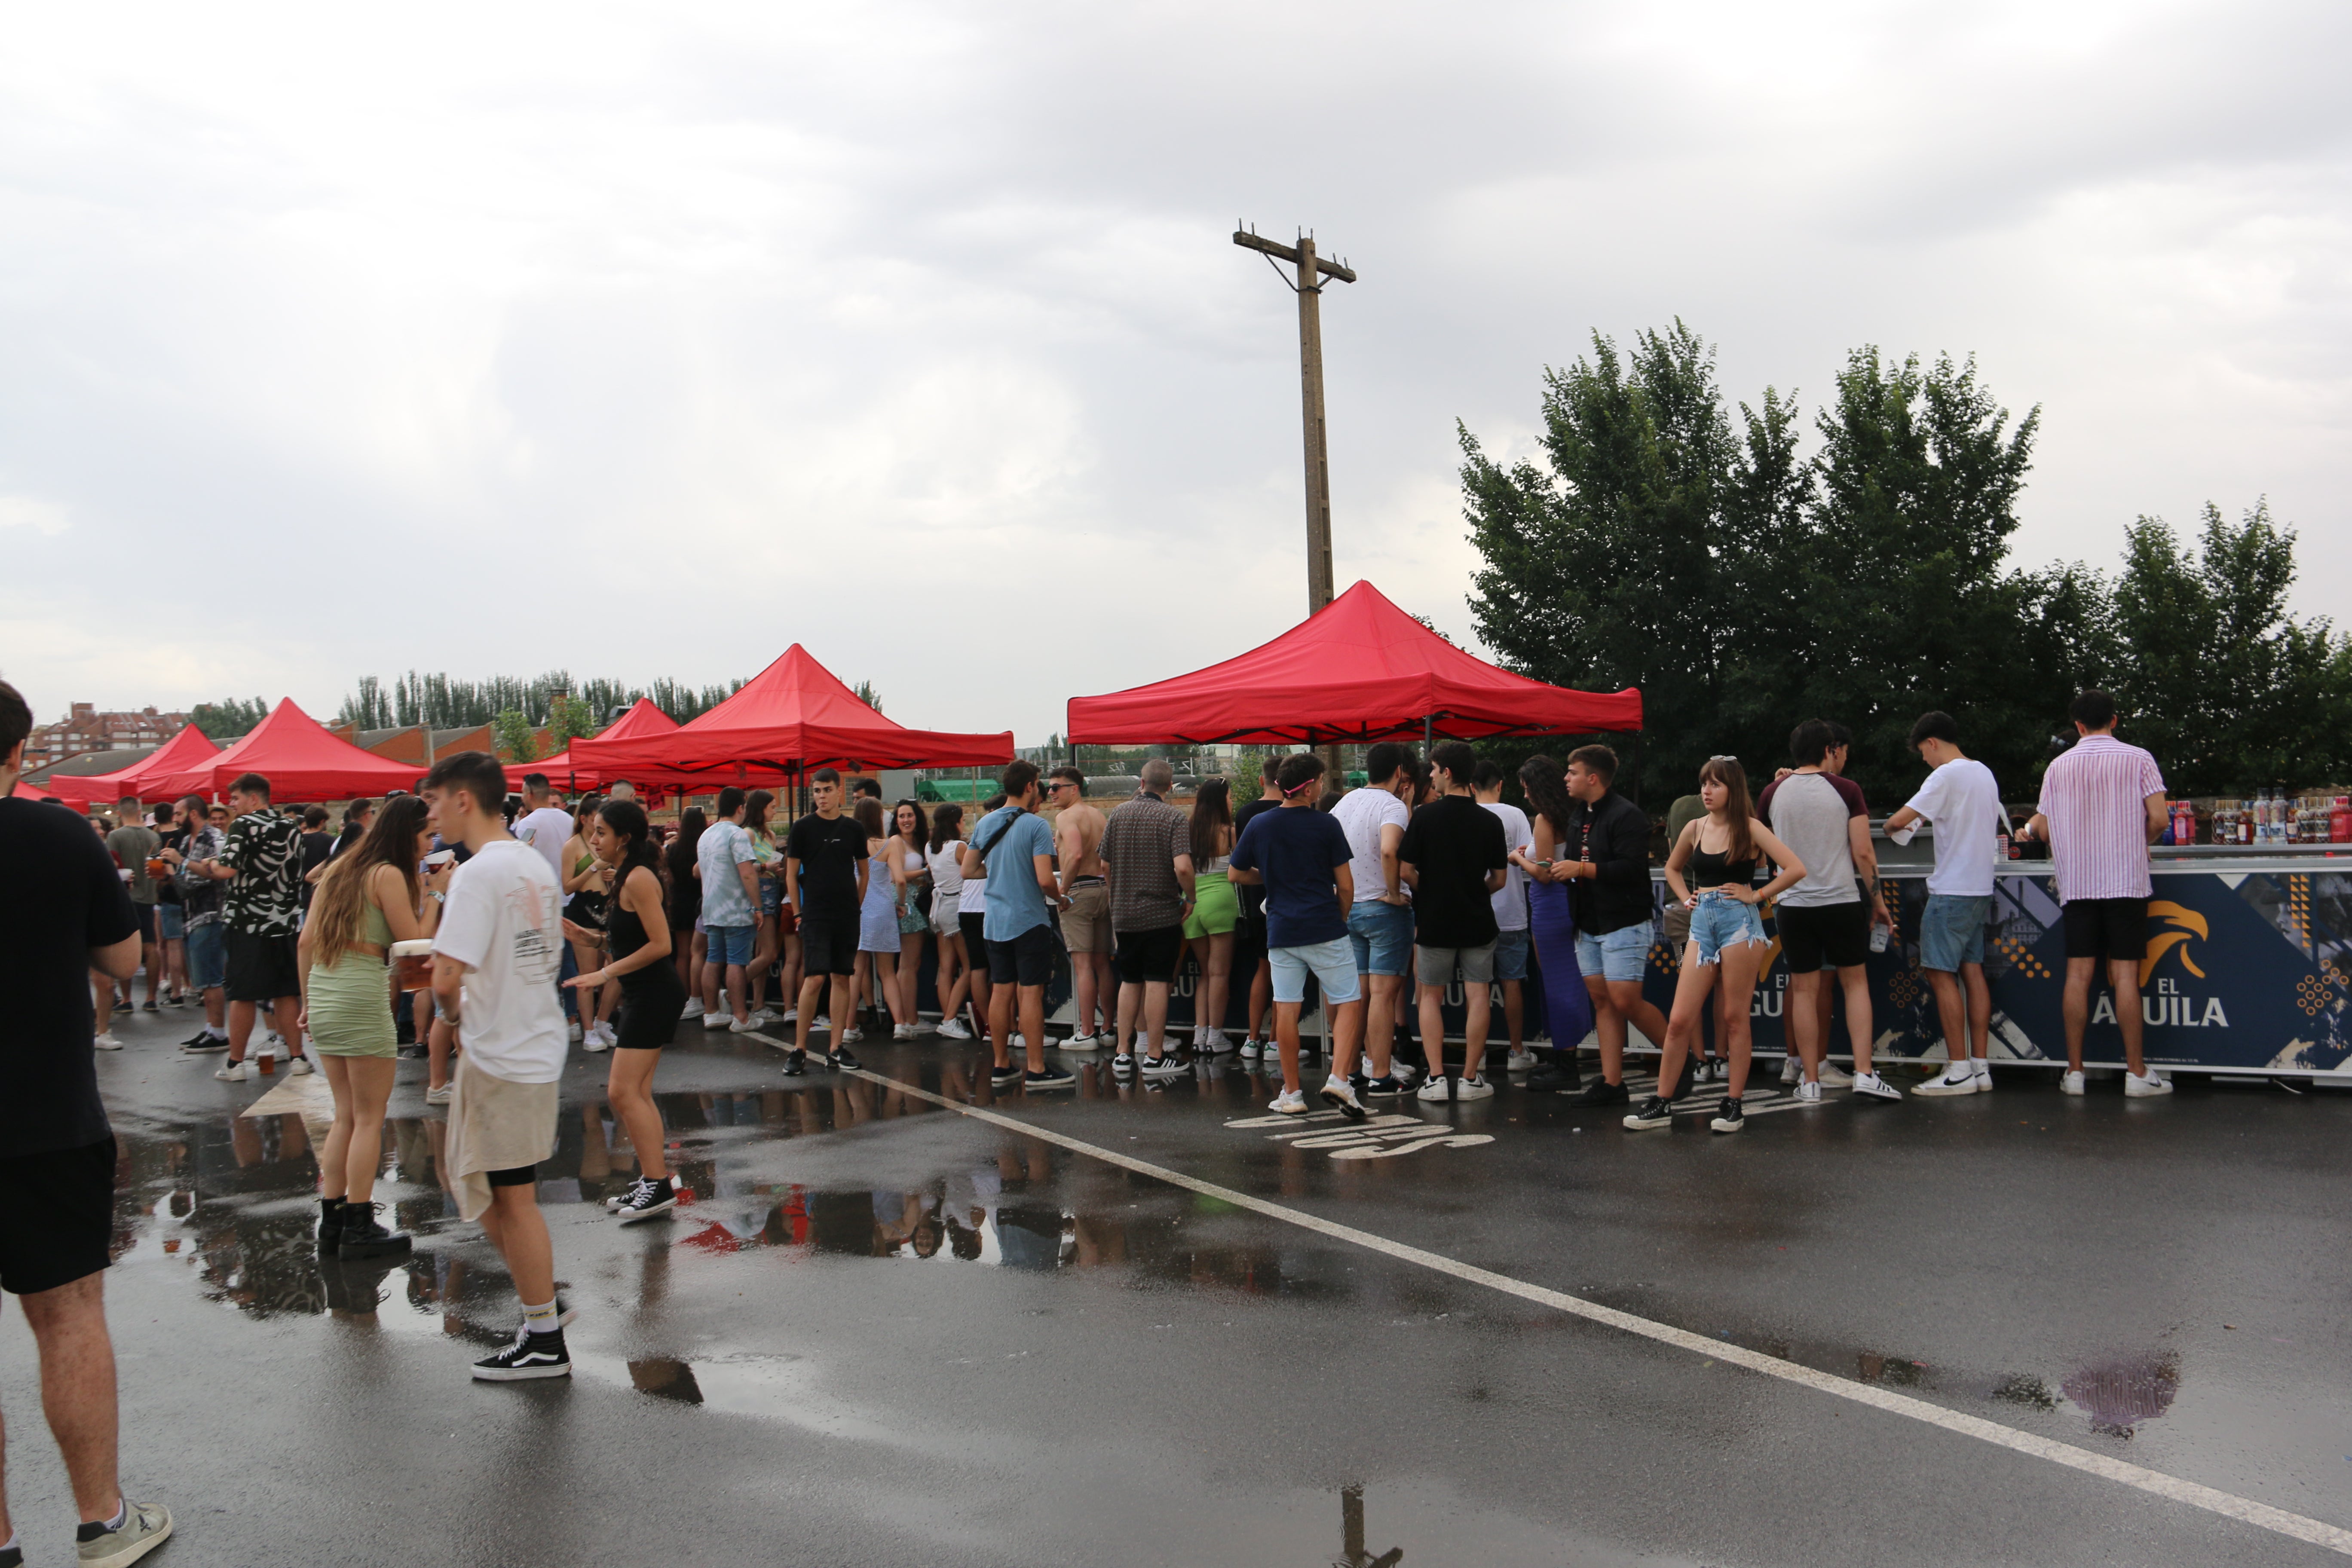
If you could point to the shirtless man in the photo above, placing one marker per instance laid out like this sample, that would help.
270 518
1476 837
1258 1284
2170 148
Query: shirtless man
1085 918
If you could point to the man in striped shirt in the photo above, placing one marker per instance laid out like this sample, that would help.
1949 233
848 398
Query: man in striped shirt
2102 803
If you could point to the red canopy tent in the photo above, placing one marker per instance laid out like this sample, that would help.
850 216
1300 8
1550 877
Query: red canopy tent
303 760
180 765
793 716
642 719
24 791
1355 672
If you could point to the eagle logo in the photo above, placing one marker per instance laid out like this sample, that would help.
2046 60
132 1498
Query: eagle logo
2182 923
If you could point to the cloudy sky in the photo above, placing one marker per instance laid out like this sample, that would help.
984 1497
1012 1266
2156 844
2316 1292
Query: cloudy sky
645 341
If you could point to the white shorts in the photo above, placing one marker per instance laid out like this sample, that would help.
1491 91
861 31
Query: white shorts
1333 965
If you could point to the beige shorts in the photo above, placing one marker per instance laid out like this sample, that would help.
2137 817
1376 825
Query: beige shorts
1086 925
494 1125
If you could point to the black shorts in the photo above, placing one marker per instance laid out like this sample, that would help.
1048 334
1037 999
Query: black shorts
649 1010
144 915
261 968
1026 960
514 1176
2112 929
1824 936
59 1218
975 936
1149 957
828 942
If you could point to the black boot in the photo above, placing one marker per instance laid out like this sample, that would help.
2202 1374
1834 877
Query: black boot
1556 1075
330 1225
365 1236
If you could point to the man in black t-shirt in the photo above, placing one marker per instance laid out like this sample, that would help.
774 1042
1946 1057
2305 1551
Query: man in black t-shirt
317 845
1250 949
64 915
824 878
1456 856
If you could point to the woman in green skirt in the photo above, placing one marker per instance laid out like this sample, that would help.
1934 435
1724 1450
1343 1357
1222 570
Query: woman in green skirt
369 898
1216 910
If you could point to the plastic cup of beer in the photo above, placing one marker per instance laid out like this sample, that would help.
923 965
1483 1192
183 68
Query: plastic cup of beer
156 869
413 963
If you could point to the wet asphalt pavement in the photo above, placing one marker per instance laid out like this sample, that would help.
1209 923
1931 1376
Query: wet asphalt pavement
885 1332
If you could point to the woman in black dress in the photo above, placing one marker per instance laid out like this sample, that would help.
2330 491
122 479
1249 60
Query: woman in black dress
635 947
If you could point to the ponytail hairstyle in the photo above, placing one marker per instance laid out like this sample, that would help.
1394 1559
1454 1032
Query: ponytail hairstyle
339 905
1737 806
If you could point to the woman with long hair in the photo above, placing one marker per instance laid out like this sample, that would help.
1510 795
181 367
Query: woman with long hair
1568 1005
685 904
971 911
877 920
369 898
943 851
1216 911
1717 853
633 949
587 884
911 887
769 942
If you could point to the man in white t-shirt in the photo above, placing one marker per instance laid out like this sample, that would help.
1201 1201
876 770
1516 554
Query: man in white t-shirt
494 961
1963 801
544 825
1511 935
1380 924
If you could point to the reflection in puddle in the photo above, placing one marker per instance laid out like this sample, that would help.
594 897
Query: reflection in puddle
666 1379
2125 1392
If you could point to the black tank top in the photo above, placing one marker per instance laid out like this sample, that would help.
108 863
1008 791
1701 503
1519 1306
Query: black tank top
1710 869
626 933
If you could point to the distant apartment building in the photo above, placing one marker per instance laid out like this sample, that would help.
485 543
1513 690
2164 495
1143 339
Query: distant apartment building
87 729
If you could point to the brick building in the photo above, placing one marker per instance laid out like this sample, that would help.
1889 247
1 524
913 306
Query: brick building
86 730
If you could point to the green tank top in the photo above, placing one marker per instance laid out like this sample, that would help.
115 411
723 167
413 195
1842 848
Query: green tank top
375 929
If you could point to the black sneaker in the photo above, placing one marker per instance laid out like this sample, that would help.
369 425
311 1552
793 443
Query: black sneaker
1051 1078
647 1199
1552 1078
1730 1118
1010 1073
840 1060
364 1236
330 1225
149 1005
795 1063
1383 1088
1654 1113
1600 1091
532 1355
12 1557
202 1040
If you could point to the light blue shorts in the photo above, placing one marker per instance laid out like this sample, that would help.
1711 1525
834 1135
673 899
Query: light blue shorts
1720 922
1333 965
171 922
1511 954
1620 956
1951 931
730 944
1381 935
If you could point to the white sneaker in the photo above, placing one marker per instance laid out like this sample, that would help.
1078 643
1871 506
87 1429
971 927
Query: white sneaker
1981 1071
1251 1047
853 1034
439 1096
299 1066
1020 1041
760 1015
1809 1092
1474 1087
106 1041
594 1041
1171 1043
2139 1086
234 1072
1079 1043
1835 1077
902 1031
744 1026
823 1026
1289 1102
1434 1090
2070 1083
716 1020
1954 1079
574 1034
692 1007
1520 1060
1219 1044
1200 1037
1791 1071
953 1029
1340 1095
1870 1086
789 1016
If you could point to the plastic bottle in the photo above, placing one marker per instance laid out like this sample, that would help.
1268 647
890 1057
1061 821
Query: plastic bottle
2339 821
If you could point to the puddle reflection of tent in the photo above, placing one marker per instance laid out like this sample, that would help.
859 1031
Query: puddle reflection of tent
2121 1393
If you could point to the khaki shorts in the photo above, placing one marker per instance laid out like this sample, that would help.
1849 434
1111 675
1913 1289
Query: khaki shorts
495 1124
1086 925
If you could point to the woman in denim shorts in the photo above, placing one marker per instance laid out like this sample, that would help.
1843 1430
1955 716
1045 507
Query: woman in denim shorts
1711 872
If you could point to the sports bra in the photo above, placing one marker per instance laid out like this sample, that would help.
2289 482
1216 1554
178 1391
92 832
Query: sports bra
1712 869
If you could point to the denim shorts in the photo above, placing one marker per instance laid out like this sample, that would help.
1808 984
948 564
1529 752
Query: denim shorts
731 944
1720 922
171 922
1619 956
1381 935
1951 931
207 955
1333 965
1511 954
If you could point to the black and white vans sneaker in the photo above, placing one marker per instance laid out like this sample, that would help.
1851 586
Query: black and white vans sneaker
647 1199
1655 1113
1730 1118
532 1355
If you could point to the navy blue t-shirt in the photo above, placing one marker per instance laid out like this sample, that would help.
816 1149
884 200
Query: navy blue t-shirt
1299 851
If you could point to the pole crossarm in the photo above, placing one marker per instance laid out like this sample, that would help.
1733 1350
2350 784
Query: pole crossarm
1249 240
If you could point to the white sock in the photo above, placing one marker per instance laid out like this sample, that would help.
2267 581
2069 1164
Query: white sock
1980 1065
540 1320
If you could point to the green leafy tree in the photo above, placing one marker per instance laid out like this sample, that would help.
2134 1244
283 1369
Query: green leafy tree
229 718
866 693
568 720
516 736
2229 689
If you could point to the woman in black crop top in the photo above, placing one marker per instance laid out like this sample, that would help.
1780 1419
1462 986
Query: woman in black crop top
635 947
1712 871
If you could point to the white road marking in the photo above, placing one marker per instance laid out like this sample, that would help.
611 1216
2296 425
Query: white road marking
2171 1488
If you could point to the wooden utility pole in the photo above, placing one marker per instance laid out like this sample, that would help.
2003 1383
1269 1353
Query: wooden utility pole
1312 271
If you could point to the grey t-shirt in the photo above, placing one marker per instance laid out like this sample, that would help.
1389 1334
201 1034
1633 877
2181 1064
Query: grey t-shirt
1810 812
132 845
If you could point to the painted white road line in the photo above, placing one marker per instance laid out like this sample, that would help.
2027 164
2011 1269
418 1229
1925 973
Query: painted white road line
2171 1488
